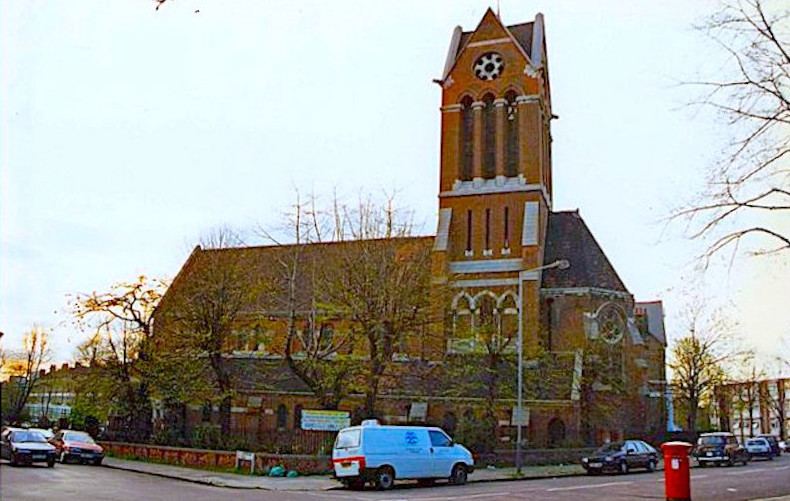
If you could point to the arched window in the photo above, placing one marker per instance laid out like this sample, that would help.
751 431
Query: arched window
486 327
462 321
511 136
467 138
508 311
489 138
297 417
556 432
449 422
282 416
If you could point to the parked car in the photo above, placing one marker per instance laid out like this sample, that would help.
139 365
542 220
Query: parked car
621 457
77 446
48 434
381 454
719 448
26 447
759 447
773 442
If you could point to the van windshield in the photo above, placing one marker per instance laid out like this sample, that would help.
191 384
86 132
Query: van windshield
347 439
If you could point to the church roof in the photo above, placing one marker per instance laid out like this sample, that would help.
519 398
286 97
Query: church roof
568 237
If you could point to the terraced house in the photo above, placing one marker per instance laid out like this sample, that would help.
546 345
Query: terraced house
434 321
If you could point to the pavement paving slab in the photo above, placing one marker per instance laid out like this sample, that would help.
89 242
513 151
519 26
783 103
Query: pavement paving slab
315 482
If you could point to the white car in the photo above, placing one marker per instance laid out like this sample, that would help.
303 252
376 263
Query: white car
381 454
759 447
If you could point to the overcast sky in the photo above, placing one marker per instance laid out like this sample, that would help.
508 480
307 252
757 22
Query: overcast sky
127 132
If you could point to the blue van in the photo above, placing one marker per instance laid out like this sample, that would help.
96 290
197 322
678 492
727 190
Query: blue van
372 453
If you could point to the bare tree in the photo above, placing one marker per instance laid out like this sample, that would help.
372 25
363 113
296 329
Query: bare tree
378 281
215 295
317 353
24 368
751 95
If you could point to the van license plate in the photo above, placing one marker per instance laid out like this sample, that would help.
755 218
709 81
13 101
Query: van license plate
39 456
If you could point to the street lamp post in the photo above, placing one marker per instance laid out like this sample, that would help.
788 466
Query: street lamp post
561 264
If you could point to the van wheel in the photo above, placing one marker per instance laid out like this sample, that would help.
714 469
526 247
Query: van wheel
458 475
384 478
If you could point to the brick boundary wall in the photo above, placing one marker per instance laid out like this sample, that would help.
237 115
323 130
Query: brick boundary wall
307 464
180 456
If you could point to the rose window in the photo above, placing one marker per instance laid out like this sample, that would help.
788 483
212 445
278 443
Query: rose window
489 66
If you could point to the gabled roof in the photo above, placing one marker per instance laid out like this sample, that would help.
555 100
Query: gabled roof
528 37
521 32
568 237
268 268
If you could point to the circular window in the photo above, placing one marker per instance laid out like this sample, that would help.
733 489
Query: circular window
489 66
611 323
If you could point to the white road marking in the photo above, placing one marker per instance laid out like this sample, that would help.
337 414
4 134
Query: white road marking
467 496
578 487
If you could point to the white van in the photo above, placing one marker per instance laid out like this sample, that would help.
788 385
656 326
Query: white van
381 454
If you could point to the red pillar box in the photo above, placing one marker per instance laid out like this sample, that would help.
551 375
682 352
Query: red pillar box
677 481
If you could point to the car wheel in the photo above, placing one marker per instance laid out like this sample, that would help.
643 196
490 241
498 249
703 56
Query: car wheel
51 463
702 464
97 462
623 467
729 461
12 460
458 475
651 466
384 478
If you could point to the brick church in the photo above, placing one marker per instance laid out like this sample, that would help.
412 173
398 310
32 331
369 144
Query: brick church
501 259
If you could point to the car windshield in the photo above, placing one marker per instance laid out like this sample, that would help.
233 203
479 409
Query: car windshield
756 441
347 439
78 437
714 440
611 447
28 436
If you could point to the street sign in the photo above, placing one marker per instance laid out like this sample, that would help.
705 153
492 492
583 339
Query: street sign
519 418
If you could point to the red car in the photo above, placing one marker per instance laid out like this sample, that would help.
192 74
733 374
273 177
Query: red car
77 446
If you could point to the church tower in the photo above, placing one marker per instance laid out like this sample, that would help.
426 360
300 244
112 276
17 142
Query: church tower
495 179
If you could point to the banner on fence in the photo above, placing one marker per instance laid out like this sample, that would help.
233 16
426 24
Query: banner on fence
325 420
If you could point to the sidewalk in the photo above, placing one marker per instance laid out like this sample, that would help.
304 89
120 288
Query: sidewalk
314 482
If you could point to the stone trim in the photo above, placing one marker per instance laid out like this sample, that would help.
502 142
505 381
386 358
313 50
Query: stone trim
451 108
486 266
484 43
583 291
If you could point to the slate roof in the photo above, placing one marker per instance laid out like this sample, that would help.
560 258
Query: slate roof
550 379
267 267
568 237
